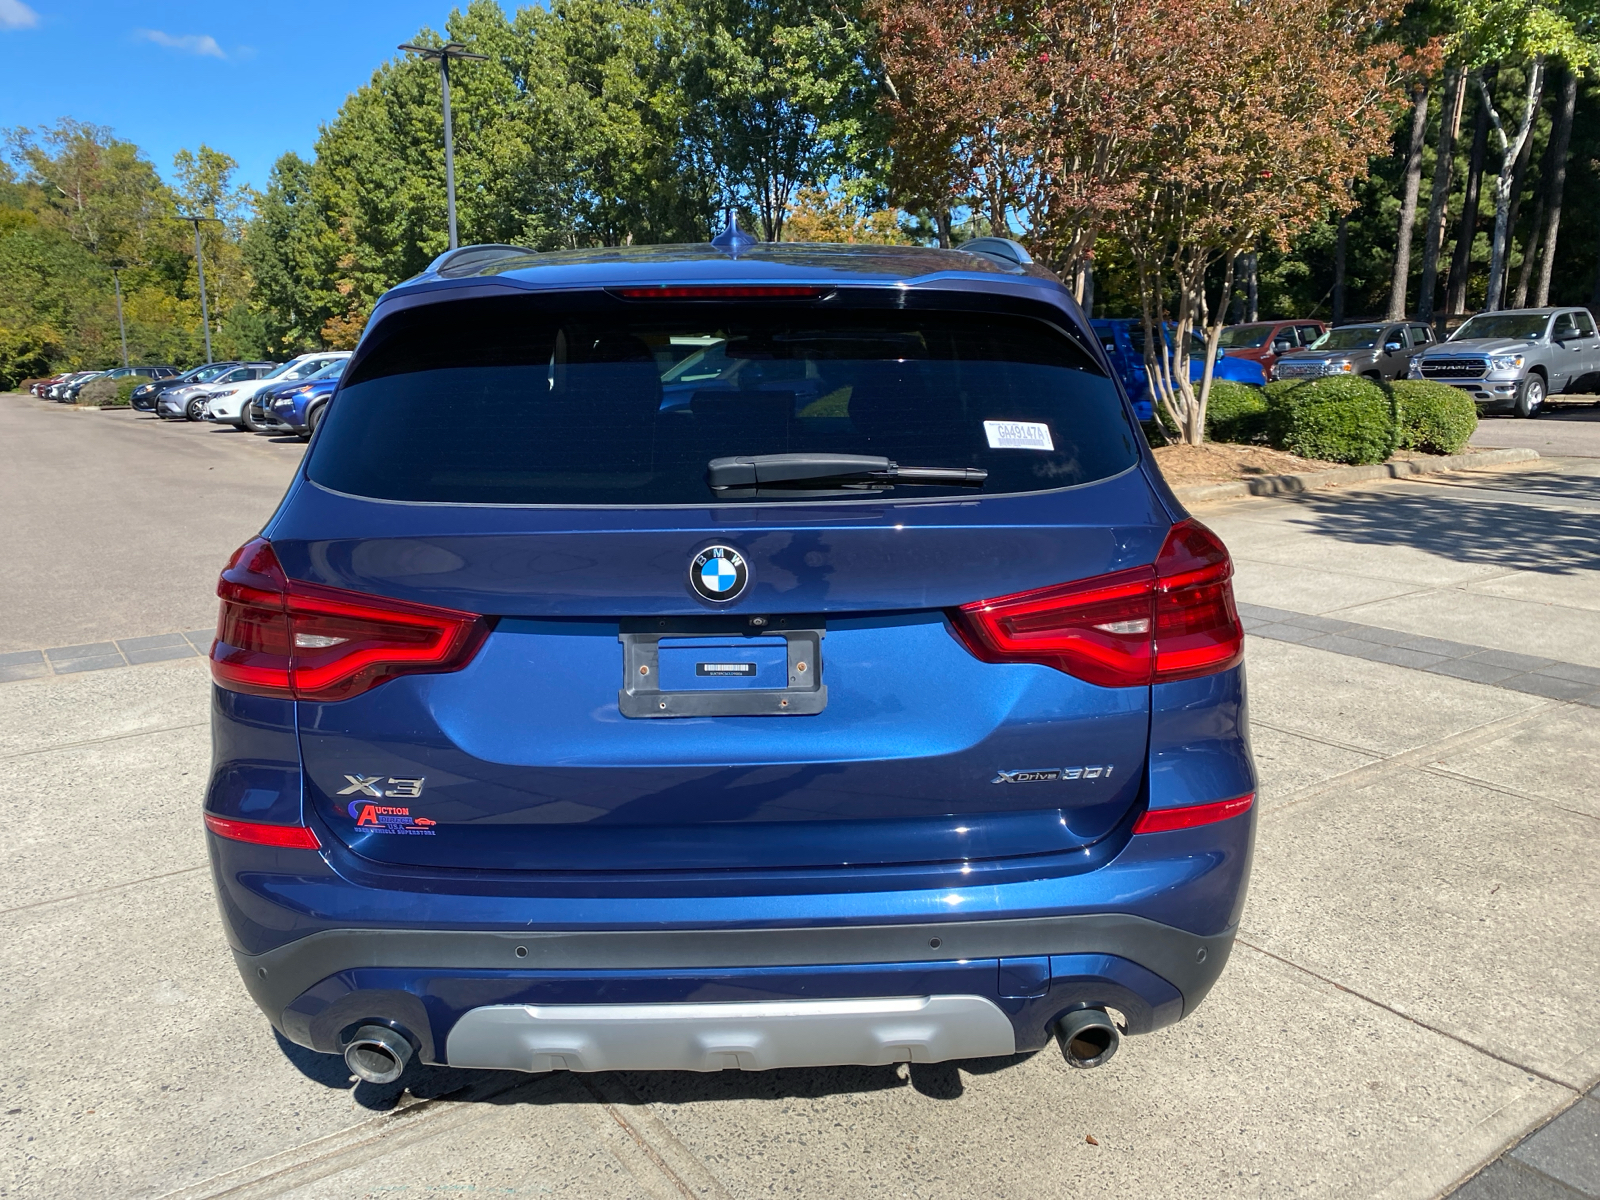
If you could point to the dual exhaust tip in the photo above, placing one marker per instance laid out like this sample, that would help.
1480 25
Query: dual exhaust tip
1088 1037
379 1054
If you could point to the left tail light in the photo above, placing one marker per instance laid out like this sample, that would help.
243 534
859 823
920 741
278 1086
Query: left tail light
1172 620
302 641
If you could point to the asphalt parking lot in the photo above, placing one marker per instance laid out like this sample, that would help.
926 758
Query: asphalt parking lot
1413 994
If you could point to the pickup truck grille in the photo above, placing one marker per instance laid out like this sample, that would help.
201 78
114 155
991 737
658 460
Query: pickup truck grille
1298 370
1454 368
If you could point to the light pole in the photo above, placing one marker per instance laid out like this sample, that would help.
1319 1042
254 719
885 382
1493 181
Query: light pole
199 261
443 55
116 281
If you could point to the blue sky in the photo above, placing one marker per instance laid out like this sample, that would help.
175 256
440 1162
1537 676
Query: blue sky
251 79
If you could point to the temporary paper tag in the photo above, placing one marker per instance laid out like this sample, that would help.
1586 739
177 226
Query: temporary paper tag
1018 435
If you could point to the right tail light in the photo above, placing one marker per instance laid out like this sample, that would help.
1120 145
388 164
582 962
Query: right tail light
1172 620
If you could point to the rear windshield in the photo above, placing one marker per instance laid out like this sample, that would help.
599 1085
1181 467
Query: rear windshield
506 402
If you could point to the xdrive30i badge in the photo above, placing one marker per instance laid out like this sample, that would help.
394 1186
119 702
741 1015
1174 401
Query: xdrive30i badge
1049 774
718 574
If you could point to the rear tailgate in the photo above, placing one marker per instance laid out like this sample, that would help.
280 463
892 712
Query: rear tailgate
523 760
543 461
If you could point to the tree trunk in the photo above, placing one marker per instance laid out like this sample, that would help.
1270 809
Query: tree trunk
1530 248
1560 139
1338 269
1461 262
1455 92
1088 288
1408 204
1510 152
944 222
1530 251
1253 287
1213 340
1519 181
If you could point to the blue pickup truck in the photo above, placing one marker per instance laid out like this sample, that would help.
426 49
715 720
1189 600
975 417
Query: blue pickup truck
1123 339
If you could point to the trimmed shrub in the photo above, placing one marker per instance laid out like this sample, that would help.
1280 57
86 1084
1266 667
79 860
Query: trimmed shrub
1236 412
1336 419
124 396
1434 418
98 393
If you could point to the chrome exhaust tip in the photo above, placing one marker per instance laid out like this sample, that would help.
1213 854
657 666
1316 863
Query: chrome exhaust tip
377 1054
1088 1037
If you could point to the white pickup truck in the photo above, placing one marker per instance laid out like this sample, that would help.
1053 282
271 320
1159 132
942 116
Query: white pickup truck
1515 358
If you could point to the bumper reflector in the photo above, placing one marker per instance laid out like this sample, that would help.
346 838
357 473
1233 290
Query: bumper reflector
1162 820
288 837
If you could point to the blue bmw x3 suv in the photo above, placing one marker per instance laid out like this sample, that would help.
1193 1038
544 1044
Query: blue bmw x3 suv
728 656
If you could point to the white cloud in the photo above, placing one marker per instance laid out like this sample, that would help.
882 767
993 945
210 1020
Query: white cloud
190 43
14 14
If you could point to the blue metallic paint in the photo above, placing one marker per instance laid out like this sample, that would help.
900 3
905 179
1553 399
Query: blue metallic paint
873 558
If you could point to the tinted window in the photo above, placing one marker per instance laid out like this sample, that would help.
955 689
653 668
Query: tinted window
503 402
1349 337
1421 335
1502 325
1564 328
1585 323
1245 337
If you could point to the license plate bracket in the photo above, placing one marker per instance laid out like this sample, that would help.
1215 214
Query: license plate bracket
642 695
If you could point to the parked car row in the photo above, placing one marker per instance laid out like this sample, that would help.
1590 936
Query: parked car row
67 386
224 391
1510 360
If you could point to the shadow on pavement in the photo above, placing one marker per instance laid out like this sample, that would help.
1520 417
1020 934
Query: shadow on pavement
937 1081
1469 528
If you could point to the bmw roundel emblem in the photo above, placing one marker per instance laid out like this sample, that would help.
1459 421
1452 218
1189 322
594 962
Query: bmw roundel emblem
718 574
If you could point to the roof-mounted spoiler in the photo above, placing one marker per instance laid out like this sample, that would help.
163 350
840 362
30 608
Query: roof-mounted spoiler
468 260
1002 250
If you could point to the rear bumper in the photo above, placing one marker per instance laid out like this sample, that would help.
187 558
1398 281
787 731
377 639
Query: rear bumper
683 999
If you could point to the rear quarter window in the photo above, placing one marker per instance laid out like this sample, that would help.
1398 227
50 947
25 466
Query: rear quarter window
508 401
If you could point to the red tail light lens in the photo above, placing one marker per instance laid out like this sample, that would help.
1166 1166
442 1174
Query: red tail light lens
302 641
288 837
1163 820
1173 620
1197 626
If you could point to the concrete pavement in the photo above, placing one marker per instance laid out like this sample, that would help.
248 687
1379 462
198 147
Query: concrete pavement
1568 429
116 523
1413 990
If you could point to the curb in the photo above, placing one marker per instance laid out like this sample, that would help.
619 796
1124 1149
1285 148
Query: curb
1306 481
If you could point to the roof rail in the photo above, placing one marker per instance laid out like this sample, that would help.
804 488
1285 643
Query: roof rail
1001 249
468 260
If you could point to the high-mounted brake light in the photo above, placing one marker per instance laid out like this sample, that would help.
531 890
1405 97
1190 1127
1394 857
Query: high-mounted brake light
303 641
1164 820
1173 620
287 837
721 292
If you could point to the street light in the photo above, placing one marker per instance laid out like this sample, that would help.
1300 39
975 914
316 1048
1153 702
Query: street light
443 55
205 311
116 280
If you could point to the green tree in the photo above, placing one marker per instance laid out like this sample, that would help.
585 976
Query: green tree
1520 31
782 95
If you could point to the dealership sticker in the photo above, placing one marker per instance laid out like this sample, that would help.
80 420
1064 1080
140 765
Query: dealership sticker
383 818
1018 435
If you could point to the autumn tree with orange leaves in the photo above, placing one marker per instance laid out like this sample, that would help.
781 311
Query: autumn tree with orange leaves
1191 130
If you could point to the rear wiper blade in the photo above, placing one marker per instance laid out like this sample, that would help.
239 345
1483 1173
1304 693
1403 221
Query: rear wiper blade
831 470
